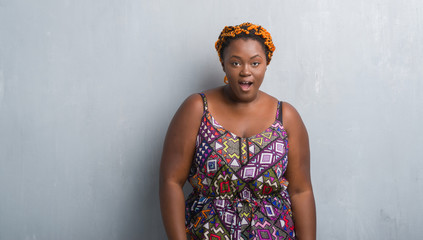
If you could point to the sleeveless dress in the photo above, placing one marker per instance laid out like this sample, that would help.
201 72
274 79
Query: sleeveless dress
239 189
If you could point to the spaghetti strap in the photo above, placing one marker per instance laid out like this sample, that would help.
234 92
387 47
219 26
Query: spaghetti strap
279 114
205 106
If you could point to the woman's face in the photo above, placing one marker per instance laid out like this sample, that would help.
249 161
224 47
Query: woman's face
244 62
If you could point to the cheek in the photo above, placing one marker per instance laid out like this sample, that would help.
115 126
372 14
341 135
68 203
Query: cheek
232 72
261 72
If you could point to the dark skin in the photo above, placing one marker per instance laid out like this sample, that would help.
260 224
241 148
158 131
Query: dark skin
241 108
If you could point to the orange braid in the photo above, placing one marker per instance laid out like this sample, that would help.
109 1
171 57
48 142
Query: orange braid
230 32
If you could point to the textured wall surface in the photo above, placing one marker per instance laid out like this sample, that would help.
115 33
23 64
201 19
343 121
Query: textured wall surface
87 89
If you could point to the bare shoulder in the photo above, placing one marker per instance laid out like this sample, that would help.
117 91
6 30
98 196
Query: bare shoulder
291 118
268 96
193 103
190 110
214 94
289 111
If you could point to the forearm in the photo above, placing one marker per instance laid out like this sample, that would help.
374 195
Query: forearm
304 213
172 205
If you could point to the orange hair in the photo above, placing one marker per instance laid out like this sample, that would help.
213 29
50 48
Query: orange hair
245 30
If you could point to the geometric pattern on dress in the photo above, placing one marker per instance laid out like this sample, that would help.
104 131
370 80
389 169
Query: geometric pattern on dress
239 188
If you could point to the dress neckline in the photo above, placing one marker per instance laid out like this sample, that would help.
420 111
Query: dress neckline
235 135
206 111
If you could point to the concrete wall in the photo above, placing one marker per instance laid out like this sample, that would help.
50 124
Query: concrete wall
87 89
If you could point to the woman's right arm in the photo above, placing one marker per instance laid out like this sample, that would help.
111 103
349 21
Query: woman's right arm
178 150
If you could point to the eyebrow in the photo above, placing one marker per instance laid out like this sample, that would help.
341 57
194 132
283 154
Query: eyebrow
257 55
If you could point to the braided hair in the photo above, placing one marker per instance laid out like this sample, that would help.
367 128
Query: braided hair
245 31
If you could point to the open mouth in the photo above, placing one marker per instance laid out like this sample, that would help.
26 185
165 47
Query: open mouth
245 85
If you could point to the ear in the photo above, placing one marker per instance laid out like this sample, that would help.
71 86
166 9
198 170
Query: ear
223 67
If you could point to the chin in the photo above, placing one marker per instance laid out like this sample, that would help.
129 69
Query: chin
247 96
243 96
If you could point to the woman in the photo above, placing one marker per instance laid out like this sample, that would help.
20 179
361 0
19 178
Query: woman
231 143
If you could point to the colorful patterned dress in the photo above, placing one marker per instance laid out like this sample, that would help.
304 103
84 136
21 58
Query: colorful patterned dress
239 189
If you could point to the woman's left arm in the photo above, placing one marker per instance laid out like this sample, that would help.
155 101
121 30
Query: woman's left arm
298 175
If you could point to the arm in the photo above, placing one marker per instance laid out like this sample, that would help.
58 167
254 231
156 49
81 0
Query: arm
176 162
298 175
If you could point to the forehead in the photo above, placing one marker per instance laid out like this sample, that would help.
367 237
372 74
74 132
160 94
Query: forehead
243 46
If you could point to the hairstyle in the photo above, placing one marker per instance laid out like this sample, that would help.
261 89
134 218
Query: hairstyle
246 31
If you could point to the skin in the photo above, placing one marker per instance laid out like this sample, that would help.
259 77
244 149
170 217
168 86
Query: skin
245 111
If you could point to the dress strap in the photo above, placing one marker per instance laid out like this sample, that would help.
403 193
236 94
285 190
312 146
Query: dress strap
205 106
279 112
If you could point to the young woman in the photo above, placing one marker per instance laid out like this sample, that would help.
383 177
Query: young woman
245 153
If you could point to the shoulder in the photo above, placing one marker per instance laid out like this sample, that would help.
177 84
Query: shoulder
214 94
267 98
289 111
193 102
191 107
185 123
291 118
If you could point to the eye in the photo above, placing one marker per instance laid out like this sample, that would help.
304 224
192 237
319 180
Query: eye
255 64
235 64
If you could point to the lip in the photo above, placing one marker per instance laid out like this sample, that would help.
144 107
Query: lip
245 85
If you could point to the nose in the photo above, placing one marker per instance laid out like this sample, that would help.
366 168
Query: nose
245 71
